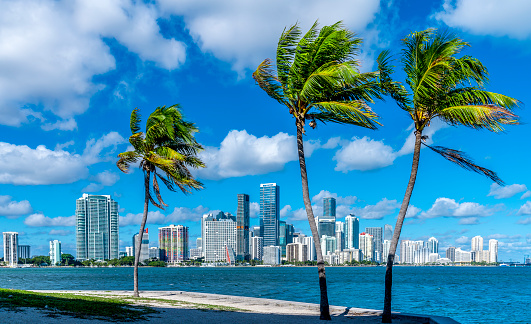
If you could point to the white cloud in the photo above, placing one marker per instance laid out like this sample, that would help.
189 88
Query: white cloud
241 32
61 232
9 207
525 209
488 17
446 207
469 221
429 131
500 192
363 154
254 210
103 179
412 211
22 165
524 221
318 199
242 154
51 50
462 240
39 220
526 194
382 208
178 215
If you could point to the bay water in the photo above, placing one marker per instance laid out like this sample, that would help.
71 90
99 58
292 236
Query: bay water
466 294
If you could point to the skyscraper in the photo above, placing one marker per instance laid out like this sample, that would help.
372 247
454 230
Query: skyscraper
282 242
340 235
477 243
352 232
24 252
388 232
242 228
55 252
269 213
493 251
219 240
11 248
257 247
144 250
377 234
329 207
367 246
96 227
450 253
173 243
433 245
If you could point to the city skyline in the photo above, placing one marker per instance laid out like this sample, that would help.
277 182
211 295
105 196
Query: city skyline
61 132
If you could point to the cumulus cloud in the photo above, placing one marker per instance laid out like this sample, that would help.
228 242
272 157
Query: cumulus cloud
524 221
39 220
348 200
10 208
22 165
526 194
412 211
488 17
462 240
500 192
241 154
525 209
254 209
382 208
446 207
51 50
102 179
366 154
241 32
178 215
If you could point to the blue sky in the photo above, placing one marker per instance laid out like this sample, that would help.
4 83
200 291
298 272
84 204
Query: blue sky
72 71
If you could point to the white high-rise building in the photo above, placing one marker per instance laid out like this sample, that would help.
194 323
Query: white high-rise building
55 252
11 248
462 256
271 255
477 243
340 236
367 246
129 251
257 248
219 238
328 244
352 232
296 252
493 251
308 241
144 249
433 245
386 247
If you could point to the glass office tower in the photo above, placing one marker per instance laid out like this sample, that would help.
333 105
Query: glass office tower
269 213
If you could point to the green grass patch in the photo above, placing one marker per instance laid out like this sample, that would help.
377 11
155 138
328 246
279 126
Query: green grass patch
83 306
188 304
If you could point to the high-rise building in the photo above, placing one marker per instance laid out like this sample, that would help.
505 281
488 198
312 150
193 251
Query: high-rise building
352 232
173 243
282 238
433 245
257 248
242 228
296 252
450 253
256 231
144 249
388 232
328 244
271 255
340 235
329 207
129 251
377 234
367 246
493 251
55 252
11 248
462 256
326 225
96 227
386 247
477 243
269 213
412 252
154 253
219 240
24 252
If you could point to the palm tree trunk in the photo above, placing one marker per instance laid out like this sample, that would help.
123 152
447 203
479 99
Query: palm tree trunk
141 233
324 308
386 317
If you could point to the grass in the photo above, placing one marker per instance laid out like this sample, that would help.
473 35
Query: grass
188 304
83 306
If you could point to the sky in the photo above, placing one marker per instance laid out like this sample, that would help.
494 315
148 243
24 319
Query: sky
71 72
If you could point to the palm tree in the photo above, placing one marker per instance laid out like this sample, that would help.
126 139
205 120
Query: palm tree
451 89
317 79
165 151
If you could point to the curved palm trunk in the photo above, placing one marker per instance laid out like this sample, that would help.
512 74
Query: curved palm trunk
386 317
141 233
324 308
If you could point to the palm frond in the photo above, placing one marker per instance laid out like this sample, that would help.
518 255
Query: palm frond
479 116
268 81
348 112
135 121
388 86
156 189
286 47
126 159
462 160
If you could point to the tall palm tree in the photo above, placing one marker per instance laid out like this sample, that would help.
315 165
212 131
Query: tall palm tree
167 151
445 87
317 79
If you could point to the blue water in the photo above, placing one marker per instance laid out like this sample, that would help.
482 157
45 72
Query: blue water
466 294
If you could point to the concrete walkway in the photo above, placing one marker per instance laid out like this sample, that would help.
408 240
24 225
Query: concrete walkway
170 309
